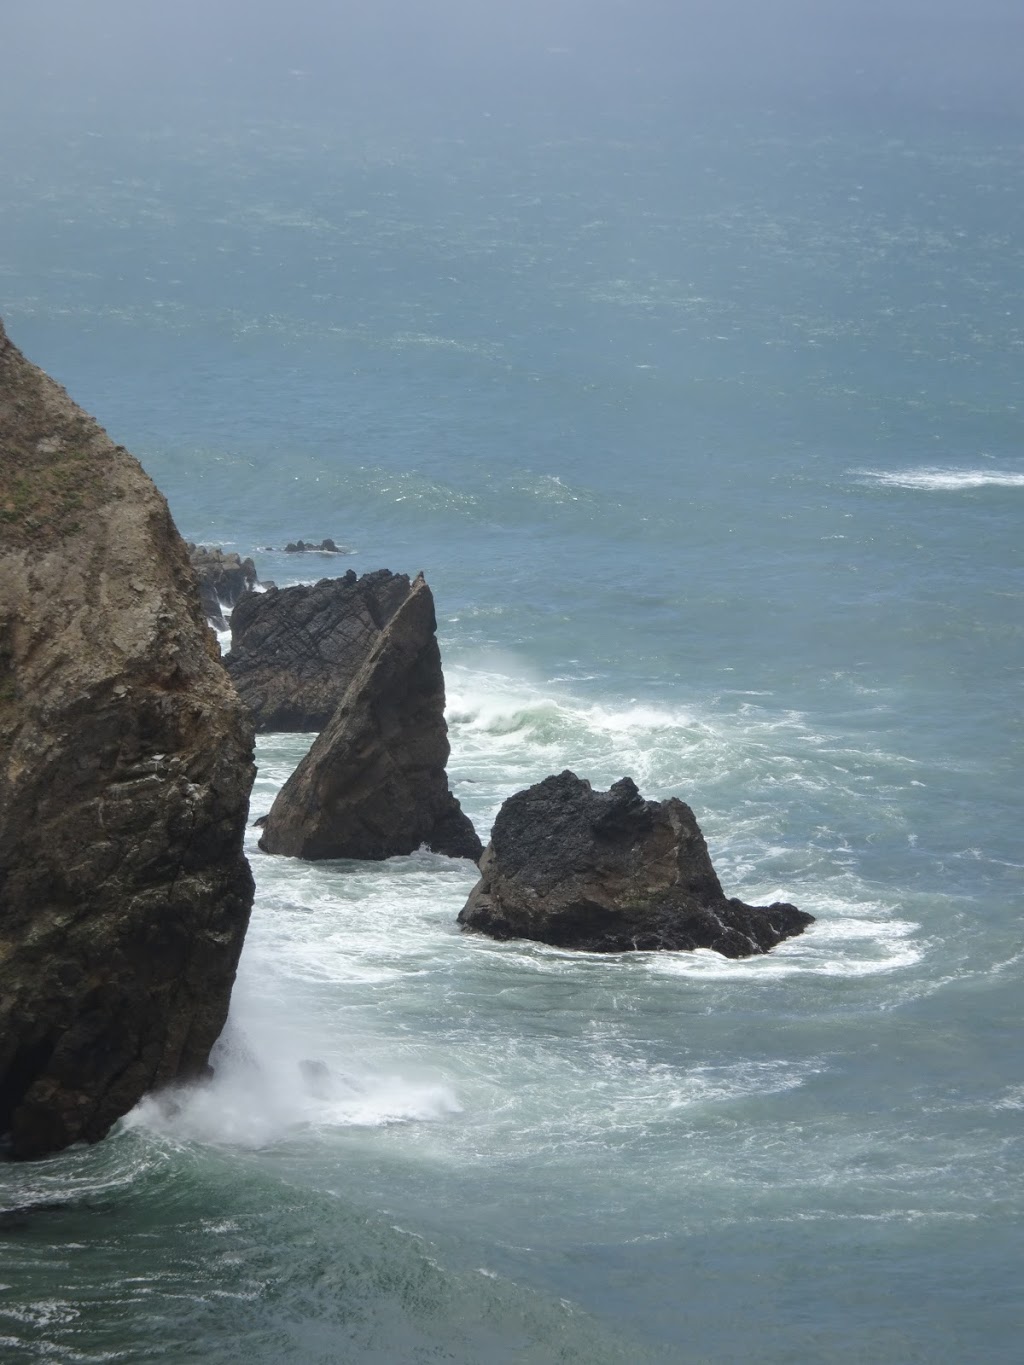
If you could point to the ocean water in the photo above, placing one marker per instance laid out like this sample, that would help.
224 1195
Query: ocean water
705 425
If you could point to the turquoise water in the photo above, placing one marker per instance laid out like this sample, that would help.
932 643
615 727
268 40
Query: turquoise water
705 425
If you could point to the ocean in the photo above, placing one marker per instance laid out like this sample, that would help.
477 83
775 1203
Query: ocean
704 421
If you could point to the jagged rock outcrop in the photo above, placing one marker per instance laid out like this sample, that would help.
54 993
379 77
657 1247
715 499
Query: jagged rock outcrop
294 651
374 785
223 580
609 871
125 769
326 547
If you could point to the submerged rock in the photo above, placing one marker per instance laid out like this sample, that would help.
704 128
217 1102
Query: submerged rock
607 872
374 784
294 651
125 768
224 579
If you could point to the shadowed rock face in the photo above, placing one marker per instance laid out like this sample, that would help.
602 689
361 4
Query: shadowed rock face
294 651
608 872
125 769
374 785
224 579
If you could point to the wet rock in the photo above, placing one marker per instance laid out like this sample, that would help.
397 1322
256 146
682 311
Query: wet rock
294 651
608 872
373 785
223 580
125 769
326 547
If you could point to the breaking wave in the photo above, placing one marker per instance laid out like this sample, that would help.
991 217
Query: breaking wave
939 480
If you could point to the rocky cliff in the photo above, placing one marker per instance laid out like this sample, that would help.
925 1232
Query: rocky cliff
125 768
610 872
374 784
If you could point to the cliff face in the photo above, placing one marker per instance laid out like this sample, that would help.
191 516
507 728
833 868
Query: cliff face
125 769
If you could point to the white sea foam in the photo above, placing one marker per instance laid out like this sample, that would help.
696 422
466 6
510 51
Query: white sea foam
835 948
375 925
265 1090
356 990
943 480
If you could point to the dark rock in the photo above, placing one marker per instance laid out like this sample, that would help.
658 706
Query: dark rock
125 768
326 547
373 785
609 871
294 651
223 580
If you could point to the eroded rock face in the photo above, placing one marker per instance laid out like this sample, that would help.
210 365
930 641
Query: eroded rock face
224 579
608 872
125 769
294 651
374 784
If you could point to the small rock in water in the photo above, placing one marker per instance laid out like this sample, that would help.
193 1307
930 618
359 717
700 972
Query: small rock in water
317 1077
326 547
608 872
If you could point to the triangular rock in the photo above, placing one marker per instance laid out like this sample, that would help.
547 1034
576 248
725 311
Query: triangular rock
295 650
373 785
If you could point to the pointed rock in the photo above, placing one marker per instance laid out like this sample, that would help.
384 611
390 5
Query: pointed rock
294 651
374 784
607 872
125 768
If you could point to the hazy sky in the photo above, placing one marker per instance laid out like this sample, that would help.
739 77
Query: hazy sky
960 54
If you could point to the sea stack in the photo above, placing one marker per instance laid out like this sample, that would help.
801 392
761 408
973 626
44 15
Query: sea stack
294 651
608 872
125 769
374 785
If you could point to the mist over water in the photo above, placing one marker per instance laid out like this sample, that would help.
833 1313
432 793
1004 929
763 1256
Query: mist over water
680 346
